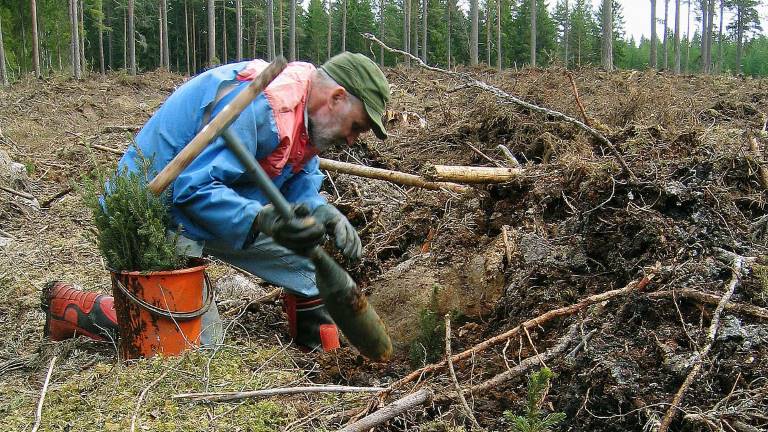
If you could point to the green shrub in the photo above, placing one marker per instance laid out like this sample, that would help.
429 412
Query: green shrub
131 222
532 421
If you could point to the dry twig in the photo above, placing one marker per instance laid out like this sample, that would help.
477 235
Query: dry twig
508 98
459 394
738 263
39 412
578 99
702 297
230 396
142 395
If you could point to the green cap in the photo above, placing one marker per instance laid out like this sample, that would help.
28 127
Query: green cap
360 76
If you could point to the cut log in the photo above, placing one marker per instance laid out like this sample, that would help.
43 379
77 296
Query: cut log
400 406
388 175
469 174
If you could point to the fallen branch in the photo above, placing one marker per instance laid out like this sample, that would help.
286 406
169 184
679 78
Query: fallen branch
458 394
388 175
534 322
472 174
508 98
56 196
738 263
703 297
390 411
17 193
230 396
482 155
39 412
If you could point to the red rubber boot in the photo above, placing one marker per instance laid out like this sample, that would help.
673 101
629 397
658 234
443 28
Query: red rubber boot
309 323
70 312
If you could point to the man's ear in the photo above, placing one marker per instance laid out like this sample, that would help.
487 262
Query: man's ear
338 95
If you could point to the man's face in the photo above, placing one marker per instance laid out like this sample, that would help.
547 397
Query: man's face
340 121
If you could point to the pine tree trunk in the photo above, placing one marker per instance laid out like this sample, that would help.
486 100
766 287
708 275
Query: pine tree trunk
688 41
677 36
424 26
239 34
720 40
110 39
35 41
292 31
166 44
654 41
22 60
488 32
131 40
328 44
193 36
280 28
81 28
739 37
224 33
666 35
186 36
533 32
474 43
710 34
254 34
125 40
607 35
414 26
102 66
271 30
448 7
3 70
211 33
498 35
75 40
381 32
344 27
160 43
565 33
704 20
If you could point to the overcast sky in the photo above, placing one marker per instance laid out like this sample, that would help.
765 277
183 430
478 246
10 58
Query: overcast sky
637 16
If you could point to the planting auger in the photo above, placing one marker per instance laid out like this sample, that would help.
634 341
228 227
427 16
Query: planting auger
348 306
345 303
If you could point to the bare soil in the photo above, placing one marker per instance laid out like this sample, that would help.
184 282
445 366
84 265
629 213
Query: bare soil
572 226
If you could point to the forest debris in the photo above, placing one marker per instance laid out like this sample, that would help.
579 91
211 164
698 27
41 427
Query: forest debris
104 148
633 286
569 74
761 169
459 394
482 155
702 297
388 175
17 193
738 264
508 98
510 157
118 128
230 396
471 174
391 411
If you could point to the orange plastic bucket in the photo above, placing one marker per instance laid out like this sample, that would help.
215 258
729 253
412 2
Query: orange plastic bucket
160 312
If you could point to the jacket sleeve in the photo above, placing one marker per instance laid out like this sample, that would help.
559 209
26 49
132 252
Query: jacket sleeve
304 186
203 194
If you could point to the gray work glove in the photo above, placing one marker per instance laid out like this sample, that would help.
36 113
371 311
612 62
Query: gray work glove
344 234
299 234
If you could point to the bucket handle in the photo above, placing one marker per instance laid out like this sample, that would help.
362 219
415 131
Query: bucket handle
179 316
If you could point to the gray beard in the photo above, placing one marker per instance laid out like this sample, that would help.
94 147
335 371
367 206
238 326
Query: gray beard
321 139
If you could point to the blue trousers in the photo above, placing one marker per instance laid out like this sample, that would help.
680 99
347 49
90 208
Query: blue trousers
265 259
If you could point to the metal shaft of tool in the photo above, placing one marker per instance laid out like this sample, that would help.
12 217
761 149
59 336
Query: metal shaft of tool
346 304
